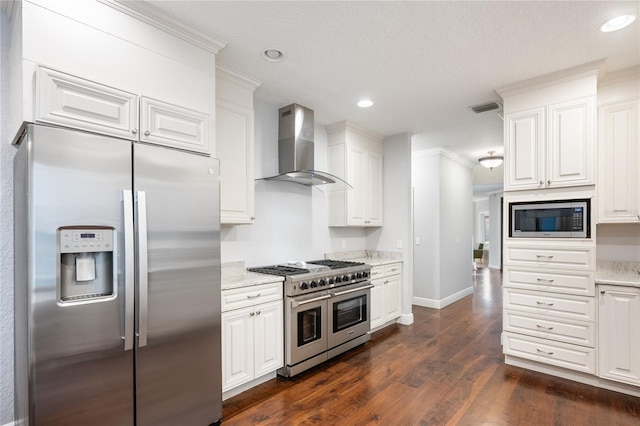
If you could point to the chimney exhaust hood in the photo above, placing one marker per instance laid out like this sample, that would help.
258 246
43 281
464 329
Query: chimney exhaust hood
295 151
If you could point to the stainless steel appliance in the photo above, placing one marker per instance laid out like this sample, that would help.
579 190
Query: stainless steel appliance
327 310
117 282
550 219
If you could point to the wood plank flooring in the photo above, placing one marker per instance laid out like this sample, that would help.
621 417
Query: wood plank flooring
447 368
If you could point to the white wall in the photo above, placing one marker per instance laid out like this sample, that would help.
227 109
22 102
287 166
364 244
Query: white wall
443 222
7 153
618 242
396 173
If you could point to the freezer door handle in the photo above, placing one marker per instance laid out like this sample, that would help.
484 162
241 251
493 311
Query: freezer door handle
129 273
143 282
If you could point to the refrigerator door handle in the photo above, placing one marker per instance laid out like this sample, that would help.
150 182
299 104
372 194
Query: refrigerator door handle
143 282
129 273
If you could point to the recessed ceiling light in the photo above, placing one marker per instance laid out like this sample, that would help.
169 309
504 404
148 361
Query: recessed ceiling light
365 103
272 55
617 23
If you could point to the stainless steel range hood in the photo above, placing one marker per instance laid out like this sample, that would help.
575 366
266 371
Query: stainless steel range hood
295 151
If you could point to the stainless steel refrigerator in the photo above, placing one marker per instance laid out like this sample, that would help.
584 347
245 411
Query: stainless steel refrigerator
117 282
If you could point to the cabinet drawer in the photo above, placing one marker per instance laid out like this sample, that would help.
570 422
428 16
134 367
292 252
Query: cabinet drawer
377 272
393 269
170 125
550 257
579 308
575 332
236 298
562 282
82 104
554 353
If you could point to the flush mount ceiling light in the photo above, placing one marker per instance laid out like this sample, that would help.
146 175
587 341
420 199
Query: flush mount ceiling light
272 55
617 23
491 161
365 103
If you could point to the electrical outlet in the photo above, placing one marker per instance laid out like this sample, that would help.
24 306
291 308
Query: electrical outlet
399 244
343 243
417 241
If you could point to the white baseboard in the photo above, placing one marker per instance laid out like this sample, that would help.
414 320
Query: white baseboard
406 319
439 304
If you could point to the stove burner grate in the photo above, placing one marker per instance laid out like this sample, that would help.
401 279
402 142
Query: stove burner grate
280 270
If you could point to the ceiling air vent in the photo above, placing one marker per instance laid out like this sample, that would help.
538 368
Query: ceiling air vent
489 106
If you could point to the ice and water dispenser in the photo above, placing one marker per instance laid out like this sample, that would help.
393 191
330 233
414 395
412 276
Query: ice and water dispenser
87 260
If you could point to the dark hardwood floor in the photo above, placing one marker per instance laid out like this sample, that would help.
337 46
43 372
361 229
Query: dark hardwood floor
445 368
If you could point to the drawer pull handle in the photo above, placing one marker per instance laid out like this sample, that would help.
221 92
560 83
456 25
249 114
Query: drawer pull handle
253 297
542 256
544 352
543 327
544 304
544 280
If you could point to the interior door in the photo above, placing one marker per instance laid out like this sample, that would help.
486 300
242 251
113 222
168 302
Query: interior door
178 359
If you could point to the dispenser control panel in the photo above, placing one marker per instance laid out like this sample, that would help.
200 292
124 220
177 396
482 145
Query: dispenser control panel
85 240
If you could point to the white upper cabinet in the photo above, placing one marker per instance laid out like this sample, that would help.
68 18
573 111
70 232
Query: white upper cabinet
355 155
234 145
78 103
619 162
550 130
170 125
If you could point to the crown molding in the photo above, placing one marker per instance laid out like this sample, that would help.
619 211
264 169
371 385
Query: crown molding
442 152
552 79
620 76
236 78
347 125
153 16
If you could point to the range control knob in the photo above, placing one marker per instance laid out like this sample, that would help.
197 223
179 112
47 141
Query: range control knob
365 274
304 286
331 280
338 279
353 276
314 284
359 275
345 278
322 283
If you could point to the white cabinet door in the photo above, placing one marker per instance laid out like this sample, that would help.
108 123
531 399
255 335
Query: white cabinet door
170 125
234 143
525 150
74 102
374 188
377 303
619 334
619 164
393 287
237 347
356 176
571 143
269 352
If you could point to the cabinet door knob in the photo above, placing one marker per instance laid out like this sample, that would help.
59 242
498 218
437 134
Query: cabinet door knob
147 133
134 131
549 182
258 313
541 182
252 314
601 291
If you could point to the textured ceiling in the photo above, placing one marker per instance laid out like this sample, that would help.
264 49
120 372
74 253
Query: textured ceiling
422 63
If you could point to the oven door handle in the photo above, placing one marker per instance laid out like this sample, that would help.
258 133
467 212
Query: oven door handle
340 293
295 303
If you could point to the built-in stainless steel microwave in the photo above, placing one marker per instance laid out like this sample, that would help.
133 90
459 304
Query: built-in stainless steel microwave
550 219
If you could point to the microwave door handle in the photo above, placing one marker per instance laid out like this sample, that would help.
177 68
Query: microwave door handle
129 274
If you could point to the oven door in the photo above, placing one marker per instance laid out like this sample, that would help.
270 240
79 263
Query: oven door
306 323
349 313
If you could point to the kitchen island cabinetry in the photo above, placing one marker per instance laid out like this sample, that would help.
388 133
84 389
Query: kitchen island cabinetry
252 333
619 163
386 295
75 102
234 145
550 130
355 155
619 331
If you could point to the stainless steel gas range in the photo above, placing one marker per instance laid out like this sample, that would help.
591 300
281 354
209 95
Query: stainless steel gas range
327 310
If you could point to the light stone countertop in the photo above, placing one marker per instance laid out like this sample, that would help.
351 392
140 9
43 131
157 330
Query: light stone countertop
373 258
618 273
234 275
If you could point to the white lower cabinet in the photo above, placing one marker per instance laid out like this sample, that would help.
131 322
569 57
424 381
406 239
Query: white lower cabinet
252 333
386 295
619 334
